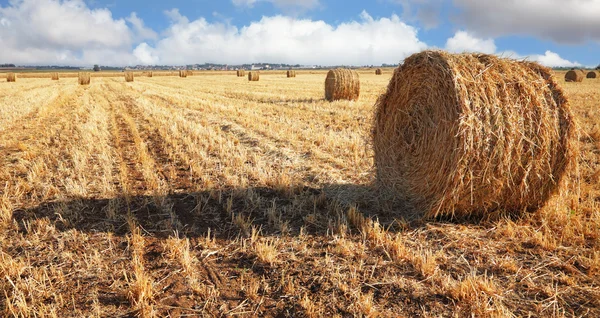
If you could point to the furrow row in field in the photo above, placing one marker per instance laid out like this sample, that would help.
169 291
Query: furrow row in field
282 134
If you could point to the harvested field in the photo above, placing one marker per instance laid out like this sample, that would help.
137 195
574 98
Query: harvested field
212 196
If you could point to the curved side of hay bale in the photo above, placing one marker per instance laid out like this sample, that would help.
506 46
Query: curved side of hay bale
182 73
591 74
128 77
54 76
342 84
574 76
472 135
378 71
253 76
11 77
291 73
84 78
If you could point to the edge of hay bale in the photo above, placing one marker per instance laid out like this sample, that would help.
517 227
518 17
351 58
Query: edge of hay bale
456 142
84 78
574 76
342 84
591 74
253 76
129 77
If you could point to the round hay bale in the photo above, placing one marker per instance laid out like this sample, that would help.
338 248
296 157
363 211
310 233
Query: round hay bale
189 73
84 78
54 76
241 73
11 77
378 71
253 76
183 73
342 84
591 74
128 77
574 76
291 73
149 74
472 135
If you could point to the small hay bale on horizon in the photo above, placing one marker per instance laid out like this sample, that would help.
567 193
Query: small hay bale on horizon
342 84
129 77
54 76
84 78
11 77
182 73
291 73
189 73
591 74
148 74
574 76
472 135
378 71
241 73
253 76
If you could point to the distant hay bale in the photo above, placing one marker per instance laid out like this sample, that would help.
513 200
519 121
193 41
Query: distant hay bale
472 135
148 74
574 76
378 71
342 84
182 73
84 78
54 76
128 77
11 77
253 76
291 73
241 73
189 73
591 74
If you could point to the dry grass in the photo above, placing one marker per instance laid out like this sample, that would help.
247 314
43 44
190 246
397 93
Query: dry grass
212 197
342 84
486 136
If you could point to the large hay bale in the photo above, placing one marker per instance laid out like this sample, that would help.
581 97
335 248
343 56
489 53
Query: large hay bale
54 76
291 73
84 78
378 71
591 74
128 77
342 84
472 135
11 77
253 76
574 76
241 73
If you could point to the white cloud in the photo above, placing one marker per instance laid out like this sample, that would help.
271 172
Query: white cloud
66 32
282 39
552 59
285 4
562 21
463 41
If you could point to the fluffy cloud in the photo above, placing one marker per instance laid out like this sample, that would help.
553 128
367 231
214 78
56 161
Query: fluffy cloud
562 21
285 4
282 39
463 41
66 32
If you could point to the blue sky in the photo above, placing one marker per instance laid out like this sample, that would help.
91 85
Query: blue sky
324 32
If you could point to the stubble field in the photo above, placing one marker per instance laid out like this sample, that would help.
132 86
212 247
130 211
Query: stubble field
214 196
